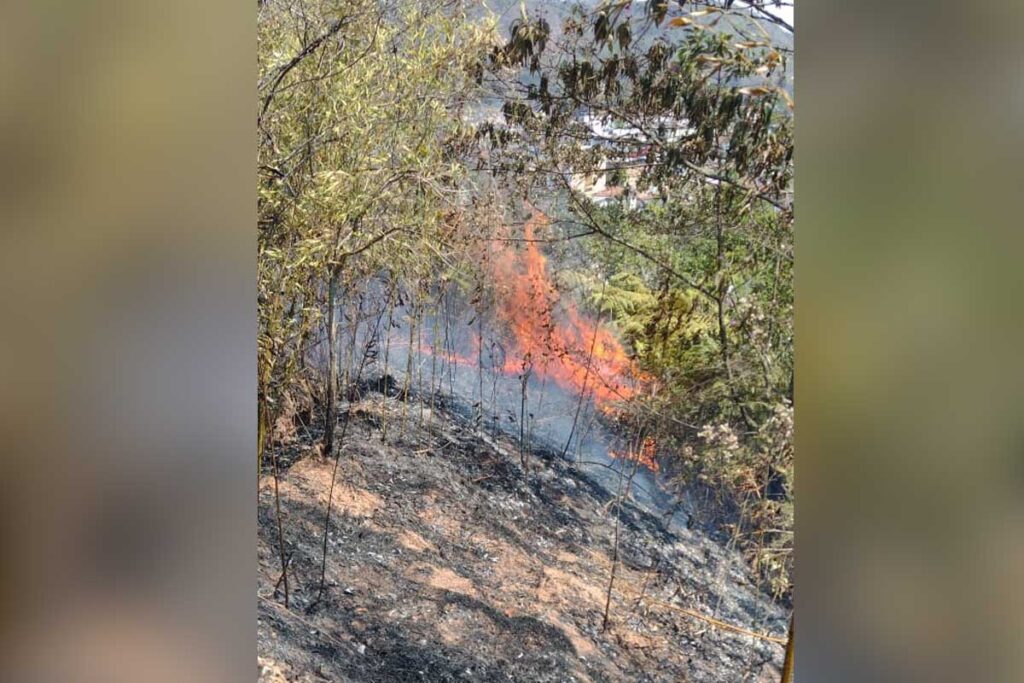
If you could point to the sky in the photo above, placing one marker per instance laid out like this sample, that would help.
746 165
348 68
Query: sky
784 13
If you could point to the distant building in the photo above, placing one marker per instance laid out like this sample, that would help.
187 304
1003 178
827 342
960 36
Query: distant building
595 186
626 148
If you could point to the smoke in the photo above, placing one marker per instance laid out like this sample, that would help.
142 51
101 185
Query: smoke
519 358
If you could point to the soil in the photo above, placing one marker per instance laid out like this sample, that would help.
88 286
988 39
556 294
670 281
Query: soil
446 561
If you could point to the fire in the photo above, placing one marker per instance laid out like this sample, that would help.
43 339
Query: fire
646 455
550 336
545 335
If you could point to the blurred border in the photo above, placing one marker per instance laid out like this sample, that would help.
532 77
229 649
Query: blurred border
909 326
127 354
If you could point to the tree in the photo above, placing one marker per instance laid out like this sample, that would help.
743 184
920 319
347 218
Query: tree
360 136
686 113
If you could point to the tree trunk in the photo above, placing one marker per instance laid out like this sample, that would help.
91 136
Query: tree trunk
385 381
331 418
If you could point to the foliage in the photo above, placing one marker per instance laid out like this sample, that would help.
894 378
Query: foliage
694 113
360 144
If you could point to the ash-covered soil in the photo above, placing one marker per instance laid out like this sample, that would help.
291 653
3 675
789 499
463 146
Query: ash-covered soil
446 562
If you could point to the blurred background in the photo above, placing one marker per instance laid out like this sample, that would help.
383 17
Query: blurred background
910 458
127 341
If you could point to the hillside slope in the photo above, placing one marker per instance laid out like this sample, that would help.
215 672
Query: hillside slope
447 563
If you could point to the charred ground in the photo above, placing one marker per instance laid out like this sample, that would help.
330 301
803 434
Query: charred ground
447 562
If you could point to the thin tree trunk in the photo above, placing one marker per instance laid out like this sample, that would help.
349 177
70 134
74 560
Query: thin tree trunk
615 559
494 393
449 345
480 368
408 370
334 479
620 494
583 390
331 416
261 435
433 360
303 345
419 358
524 384
280 525
385 382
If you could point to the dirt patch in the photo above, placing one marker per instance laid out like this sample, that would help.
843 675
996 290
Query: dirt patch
581 643
410 540
440 519
441 578
560 586
270 671
457 625
564 557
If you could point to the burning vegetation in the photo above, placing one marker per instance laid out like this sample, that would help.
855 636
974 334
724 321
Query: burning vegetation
543 334
646 455
465 474
549 335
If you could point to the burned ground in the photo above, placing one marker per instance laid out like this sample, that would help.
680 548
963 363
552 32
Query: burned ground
447 562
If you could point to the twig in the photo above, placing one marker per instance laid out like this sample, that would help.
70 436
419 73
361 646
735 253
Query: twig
716 622
284 572
280 526
586 376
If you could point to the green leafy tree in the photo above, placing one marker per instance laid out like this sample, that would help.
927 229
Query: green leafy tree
684 112
360 145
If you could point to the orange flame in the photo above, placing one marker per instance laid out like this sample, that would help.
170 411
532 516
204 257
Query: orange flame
646 456
550 336
547 336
